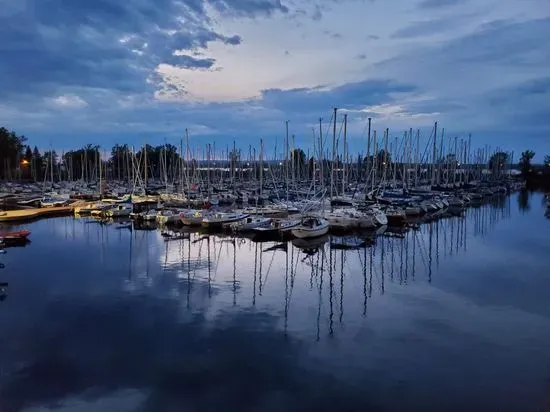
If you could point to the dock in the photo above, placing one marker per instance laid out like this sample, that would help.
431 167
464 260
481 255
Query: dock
23 215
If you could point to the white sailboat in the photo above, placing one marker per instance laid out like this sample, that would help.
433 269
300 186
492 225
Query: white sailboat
251 223
217 220
311 226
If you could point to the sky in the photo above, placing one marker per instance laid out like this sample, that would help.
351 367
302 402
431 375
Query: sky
74 72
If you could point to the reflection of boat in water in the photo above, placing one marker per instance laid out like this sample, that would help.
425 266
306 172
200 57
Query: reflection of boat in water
278 246
347 243
3 290
167 236
310 244
124 225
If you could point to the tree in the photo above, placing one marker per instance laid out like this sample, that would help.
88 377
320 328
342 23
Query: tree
547 160
26 164
49 164
525 162
11 152
36 164
497 162
298 159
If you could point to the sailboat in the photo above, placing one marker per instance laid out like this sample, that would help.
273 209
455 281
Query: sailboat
251 223
310 227
219 219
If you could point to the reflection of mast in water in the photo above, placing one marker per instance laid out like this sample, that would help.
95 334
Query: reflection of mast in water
382 266
371 264
130 260
286 291
364 281
401 260
460 234
341 286
392 258
209 268
320 294
430 258
465 233
407 256
437 243
188 273
146 254
235 272
260 275
414 255
312 270
255 274
165 256
331 288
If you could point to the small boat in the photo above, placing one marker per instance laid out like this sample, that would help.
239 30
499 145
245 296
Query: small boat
217 220
120 210
14 238
251 223
310 227
19 235
168 217
396 217
193 217
276 226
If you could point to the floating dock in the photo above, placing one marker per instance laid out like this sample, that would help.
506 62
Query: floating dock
36 213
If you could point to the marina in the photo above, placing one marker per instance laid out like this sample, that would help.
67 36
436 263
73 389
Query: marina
272 206
140 313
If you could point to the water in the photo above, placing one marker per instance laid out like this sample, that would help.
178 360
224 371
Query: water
454 316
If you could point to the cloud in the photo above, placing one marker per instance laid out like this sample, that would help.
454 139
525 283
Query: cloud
433 4
332 34
227 68
308 103
424 28
69 101
108 44
183 61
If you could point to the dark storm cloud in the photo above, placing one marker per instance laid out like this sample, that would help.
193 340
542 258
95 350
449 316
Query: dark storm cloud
313 101
52 44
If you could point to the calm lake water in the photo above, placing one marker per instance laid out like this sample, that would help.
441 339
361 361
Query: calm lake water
454 316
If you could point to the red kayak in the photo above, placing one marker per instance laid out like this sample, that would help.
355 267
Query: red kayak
14 236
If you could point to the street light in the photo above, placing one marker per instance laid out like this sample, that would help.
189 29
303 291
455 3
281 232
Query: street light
24 162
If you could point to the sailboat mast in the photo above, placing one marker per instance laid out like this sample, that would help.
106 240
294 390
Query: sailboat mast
261 168
145 170
368 149
286 159
333 157
321 168
313 174
344 176
434 154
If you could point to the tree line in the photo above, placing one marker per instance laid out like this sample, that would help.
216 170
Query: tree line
18 161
